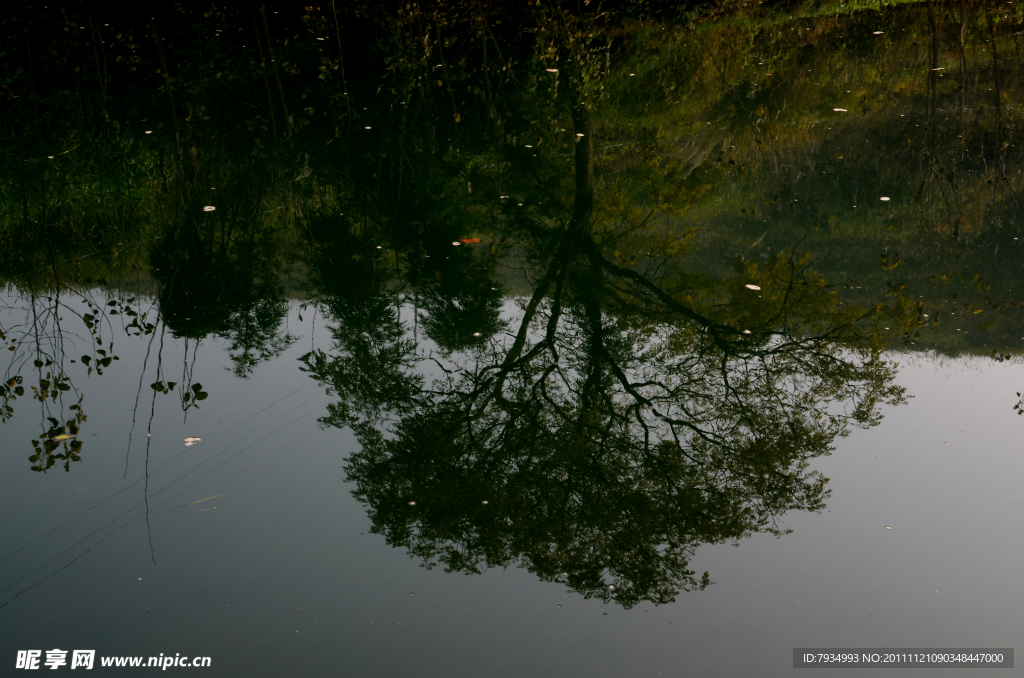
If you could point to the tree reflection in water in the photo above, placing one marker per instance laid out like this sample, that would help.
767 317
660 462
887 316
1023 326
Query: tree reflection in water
616 426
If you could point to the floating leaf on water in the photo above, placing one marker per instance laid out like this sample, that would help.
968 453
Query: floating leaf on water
63 437
209 208
753 287
198 501
469 241
189 442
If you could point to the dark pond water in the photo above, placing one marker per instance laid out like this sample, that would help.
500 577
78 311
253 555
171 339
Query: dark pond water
510 339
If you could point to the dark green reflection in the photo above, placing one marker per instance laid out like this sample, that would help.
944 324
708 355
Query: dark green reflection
616 425
601 282
612 443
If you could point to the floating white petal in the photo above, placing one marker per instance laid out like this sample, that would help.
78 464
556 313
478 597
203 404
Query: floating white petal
456 243
209 208
884 199
753 287
839 110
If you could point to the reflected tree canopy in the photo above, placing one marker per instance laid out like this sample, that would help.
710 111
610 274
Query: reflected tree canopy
625 413
612 431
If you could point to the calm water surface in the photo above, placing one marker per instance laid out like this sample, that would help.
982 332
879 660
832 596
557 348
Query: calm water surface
513 339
